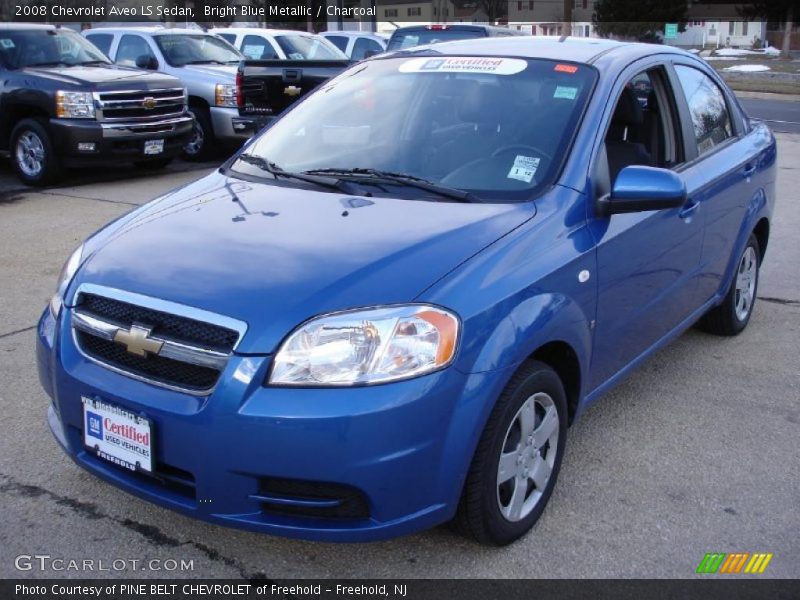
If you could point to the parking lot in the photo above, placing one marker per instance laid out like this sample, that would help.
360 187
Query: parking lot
696 452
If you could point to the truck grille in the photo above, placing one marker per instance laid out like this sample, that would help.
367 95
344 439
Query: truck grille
178 352
140 105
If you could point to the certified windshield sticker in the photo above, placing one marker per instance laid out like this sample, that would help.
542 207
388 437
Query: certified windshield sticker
7 44
524 168
465 64
568 93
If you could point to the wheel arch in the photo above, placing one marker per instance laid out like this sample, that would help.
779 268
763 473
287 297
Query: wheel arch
761 231
12 114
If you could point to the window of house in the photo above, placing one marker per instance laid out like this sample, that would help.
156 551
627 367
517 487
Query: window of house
710 118
414 11
390 12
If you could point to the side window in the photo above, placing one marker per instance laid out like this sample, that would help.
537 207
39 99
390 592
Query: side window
643 126
130 48
228 37
102 41
710 118
364 45
339 41
258 48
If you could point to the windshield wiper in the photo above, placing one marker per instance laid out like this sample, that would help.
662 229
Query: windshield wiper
205 61
400 179
276 172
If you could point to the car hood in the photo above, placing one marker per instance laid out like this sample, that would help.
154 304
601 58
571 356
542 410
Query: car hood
274 256
105 77
217 73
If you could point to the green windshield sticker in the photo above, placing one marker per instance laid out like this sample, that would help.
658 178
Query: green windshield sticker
567 93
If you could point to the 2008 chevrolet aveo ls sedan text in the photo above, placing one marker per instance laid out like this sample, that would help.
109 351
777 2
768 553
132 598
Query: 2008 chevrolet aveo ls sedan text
384 312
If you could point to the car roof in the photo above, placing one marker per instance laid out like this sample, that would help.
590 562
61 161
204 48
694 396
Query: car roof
582 50
19 26
156 30
368 34
258 30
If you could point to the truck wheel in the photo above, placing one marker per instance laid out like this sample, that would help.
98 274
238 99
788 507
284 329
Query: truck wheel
32 153
152 164
517 460
732 316
201 145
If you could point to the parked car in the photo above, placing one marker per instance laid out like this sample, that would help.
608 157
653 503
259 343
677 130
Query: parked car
204 63
357 45
63 104
386 310
270 87
419 35
279 44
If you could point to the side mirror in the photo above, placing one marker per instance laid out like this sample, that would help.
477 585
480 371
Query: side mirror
145 61
639 189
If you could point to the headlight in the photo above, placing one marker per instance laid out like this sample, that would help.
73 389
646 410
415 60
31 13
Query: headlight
367 346
225 95
74 105
64 279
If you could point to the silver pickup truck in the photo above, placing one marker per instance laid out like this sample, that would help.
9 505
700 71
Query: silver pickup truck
205 64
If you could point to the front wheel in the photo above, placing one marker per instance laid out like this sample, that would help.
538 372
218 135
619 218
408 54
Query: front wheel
201 145
33 154
733 314
517 460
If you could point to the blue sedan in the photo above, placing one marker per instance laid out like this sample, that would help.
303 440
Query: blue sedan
386 310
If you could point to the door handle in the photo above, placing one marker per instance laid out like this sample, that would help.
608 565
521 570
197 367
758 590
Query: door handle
688 209
749 169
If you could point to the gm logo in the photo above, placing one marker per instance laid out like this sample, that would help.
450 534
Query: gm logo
94 425
720 562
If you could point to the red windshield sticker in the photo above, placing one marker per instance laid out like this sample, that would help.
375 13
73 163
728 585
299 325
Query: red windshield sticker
566 68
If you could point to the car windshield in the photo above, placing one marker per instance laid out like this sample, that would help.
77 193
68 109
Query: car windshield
47 47
196 49
306 47
418 37
497 128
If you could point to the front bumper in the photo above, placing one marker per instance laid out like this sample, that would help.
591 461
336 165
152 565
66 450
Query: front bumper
402 448
117 142
224 121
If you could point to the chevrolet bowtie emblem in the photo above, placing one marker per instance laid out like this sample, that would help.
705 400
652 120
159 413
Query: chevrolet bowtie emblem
137 340
149 103
291 90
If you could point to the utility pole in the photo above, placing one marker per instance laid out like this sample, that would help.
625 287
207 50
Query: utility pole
566 26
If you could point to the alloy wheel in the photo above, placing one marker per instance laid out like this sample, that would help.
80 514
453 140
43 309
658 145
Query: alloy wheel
746 283
527 457
30 154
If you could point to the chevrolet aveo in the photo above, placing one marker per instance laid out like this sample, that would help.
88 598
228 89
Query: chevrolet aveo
384 312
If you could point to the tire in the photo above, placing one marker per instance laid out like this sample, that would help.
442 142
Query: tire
153 163
32 153
733 314
201 145
488 511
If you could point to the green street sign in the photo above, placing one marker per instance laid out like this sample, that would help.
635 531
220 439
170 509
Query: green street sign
670 31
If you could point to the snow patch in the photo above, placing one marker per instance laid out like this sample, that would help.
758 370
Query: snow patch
748 68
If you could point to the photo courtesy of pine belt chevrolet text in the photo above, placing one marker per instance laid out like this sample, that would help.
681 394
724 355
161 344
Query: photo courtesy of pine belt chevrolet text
385 311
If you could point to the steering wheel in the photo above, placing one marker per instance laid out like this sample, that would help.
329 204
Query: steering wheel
536 151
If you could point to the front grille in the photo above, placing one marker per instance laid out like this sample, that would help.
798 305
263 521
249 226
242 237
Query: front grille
352 504
131 105
156 368
179 352
162 324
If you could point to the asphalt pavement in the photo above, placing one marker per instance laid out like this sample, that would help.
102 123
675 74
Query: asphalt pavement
782 113
696 452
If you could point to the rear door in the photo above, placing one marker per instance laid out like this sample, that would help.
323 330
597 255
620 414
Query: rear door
719 173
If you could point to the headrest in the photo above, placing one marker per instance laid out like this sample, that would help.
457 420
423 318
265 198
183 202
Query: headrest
628 111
